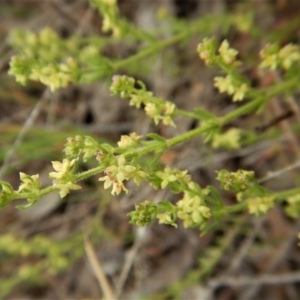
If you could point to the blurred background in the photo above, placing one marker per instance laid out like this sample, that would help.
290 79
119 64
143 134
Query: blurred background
43 252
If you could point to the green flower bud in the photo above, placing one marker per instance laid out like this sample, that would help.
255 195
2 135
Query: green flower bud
144 214
6 193
207 50
227 54
236 181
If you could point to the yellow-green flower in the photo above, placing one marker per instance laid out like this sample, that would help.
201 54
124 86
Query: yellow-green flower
229 85
289 55
28 182
116 174
191 210
64 176
227 54
153 111
66 187
240 92
128 140
229 139
260 205
62 168
224 84
167 176
269 56
165 218
206 50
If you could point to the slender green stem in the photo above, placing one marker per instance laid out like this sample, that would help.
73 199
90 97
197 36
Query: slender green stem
148 51
48 190
227 210
243 110
285 194
201 25
249 107
188 114
281 87
89 173
42 192
152 146
266 95
186 136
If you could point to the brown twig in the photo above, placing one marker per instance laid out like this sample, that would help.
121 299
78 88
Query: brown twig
98 270
256 281
130 256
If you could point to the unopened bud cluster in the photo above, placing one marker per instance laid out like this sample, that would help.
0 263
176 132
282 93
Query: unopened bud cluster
274 57
226 58
158 109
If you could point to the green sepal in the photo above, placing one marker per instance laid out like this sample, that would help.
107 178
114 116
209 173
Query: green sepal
31 202
6 193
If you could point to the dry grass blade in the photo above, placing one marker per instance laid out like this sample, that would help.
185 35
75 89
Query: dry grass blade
98 270
260 280
131 254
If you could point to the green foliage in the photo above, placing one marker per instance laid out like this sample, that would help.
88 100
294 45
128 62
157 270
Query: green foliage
49 256
56 62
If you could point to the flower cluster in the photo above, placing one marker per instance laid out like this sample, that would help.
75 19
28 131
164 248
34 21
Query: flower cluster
293 206
45 45
233 83
128 140
54 75
158 109
161 112
227 54
260 205
236 181
192 208
244 21
144 213
42 59
63 177
273 57
117 173
46 57
111 18
29 183
166 213
247 189
81 144
124 86
229 139
207 50
168 175
52 253
232 86
30 186
21 67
